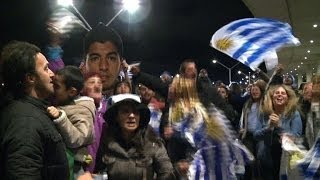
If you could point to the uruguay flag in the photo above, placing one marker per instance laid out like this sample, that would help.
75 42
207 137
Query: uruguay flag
252 40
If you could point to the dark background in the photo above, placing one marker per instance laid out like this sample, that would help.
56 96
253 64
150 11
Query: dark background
170 31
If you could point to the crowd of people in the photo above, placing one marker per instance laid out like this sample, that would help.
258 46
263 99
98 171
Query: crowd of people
87 122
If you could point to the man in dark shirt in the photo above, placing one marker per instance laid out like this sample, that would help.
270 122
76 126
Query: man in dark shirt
31 147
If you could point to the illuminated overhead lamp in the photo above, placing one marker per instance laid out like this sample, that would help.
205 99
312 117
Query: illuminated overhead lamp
301 62
315 25
127 5
311 41
308 51
131 5
305 57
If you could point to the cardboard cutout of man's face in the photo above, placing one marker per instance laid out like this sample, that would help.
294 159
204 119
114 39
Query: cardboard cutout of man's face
103 58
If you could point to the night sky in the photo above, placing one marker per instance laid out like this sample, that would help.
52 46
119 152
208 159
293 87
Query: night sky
161 34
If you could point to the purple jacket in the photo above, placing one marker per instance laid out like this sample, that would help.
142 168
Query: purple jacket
98 126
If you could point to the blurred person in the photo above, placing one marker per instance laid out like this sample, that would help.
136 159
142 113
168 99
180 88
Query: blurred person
203 74
122 87
155 105
300 89
223 92
313 116
93 88
166 77
53 50
128 139
305 104
73 116
31 146
279 116
219 83
207 93
205 129
247 90
237 101
248 125
309 164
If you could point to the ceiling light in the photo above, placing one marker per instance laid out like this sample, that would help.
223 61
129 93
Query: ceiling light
315 25
131 5
298 66
313 68
311 41
297 74
308 51
305 57
291 71
301 62
295 69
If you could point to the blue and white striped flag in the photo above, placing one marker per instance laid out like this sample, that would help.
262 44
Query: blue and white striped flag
252 40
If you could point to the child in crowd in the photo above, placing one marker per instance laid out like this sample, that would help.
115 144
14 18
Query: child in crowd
93 88
122 87
73 117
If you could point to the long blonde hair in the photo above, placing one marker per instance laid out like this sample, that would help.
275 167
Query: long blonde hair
291 106
185 99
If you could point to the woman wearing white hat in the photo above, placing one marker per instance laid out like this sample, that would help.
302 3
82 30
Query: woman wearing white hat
129 149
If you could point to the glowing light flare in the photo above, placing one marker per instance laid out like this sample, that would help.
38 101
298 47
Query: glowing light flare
65 3
131 5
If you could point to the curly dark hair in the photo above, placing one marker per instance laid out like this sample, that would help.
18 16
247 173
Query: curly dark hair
17 60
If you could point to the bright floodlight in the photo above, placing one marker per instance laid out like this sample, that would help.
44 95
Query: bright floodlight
65 3
130 5
239 72
214 61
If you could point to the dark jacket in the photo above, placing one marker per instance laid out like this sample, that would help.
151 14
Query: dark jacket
31 147
152 82
123 161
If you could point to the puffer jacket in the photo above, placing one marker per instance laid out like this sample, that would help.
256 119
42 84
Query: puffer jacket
31 147
76 122
121 161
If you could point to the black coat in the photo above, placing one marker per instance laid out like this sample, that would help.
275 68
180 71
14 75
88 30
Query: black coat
31 147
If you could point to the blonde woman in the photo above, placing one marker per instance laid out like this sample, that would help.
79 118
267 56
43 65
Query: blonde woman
206 130
280 116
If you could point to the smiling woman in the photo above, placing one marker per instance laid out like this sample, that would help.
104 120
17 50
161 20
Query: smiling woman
128 139
279 117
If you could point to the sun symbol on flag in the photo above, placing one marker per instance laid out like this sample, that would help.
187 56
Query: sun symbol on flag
224 44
